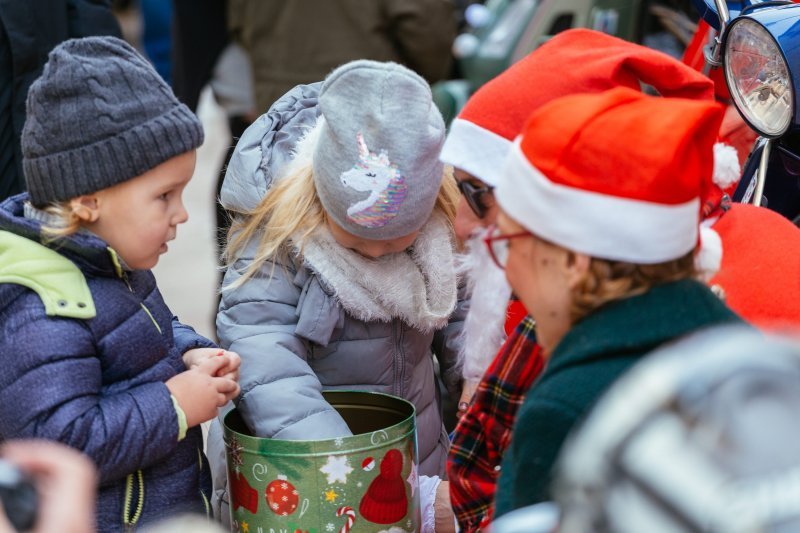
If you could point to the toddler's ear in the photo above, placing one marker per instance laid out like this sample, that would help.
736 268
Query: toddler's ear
86 207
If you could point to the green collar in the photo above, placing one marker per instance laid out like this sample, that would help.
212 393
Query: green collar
58 281
639 323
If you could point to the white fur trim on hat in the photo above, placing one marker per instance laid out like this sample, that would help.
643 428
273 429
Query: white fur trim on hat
475 150
726 165
709 257
595 224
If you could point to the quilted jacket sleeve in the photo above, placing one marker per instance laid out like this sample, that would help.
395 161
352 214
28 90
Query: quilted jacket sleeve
186 338
281 395
447 342
51 388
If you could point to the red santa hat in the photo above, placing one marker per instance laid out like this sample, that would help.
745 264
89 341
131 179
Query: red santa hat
760 274
617 175
575 61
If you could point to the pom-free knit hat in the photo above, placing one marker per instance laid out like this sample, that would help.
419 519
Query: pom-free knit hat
97 116
575 61
376 162
617 175
385 501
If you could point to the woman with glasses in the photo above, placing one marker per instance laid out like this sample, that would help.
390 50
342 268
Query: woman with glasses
597 232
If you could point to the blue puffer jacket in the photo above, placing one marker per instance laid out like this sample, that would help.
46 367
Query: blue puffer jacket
85 355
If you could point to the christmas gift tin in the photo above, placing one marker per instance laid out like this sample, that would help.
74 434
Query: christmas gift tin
366 482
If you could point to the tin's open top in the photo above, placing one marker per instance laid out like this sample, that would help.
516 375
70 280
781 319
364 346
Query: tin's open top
366 414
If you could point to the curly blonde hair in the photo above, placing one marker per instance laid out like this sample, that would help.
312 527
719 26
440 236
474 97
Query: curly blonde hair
291 206
606 281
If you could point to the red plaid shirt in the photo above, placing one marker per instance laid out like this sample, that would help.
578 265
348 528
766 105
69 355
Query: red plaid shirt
483 433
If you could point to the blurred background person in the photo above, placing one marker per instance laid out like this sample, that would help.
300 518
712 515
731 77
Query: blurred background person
156 35
300 42
204 55
28 31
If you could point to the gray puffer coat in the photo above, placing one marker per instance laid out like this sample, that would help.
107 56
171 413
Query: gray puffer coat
293 332
295 340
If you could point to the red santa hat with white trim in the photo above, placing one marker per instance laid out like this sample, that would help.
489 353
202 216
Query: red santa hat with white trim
617 175
574 61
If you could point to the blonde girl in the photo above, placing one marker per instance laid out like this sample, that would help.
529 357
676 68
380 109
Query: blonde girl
340 270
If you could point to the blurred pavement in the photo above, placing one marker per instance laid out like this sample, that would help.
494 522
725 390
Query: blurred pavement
187 274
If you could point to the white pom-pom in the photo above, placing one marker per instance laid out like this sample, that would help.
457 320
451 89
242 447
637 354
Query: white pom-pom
709 258
726 165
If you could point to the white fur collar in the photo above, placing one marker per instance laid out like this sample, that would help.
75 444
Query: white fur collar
417 286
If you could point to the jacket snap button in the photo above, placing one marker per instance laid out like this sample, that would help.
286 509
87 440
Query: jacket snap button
81 305
62 303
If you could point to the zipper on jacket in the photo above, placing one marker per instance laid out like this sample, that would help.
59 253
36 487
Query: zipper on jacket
124 277
128 520
209 514
401 358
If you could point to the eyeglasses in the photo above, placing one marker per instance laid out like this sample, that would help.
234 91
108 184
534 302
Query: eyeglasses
498 244
473 195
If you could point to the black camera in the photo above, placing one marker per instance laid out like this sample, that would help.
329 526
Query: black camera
18 495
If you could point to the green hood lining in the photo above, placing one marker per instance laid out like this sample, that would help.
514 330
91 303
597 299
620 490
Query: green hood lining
58 281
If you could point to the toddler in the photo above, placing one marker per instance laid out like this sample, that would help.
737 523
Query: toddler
92 356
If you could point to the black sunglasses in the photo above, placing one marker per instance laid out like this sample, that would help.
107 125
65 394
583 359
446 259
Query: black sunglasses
473 195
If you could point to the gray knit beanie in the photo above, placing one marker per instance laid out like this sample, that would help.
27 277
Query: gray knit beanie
99 115
376 163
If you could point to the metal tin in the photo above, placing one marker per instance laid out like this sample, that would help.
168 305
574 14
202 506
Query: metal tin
365 482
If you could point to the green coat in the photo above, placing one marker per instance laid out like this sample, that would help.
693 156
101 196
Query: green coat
590 357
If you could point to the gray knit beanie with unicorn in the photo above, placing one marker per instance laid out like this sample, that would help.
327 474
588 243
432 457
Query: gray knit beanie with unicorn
99 115
376 163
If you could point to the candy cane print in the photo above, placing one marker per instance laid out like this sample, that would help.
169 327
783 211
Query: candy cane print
351 518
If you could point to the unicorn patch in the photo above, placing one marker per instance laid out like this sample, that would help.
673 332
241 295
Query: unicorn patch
375 174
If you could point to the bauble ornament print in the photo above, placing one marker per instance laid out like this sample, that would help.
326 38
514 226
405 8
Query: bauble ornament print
282 497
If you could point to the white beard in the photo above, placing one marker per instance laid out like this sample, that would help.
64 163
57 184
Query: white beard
483 333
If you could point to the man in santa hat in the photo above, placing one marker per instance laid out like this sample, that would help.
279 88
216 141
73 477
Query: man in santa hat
575 61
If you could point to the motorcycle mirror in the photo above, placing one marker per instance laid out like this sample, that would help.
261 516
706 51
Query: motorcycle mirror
714 52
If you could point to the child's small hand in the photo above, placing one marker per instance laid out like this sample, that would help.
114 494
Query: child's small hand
230 370
200 392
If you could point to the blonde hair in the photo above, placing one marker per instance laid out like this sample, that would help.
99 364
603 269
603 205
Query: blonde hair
68 221
291 206
606 281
